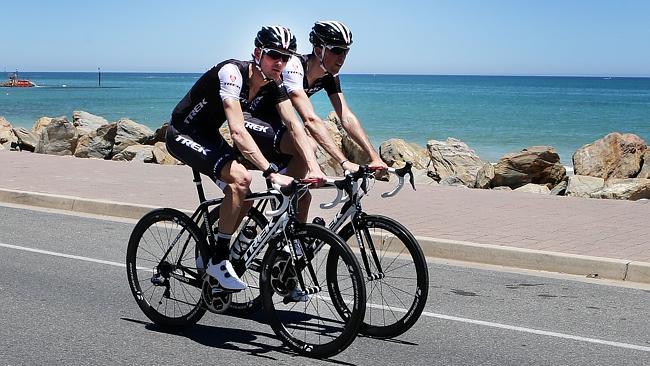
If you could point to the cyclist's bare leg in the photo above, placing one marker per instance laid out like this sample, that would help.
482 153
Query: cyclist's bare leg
234 208
297 168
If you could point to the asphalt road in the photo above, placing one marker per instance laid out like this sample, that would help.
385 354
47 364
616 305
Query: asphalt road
64 299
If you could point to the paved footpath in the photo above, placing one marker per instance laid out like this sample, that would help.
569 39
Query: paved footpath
598 238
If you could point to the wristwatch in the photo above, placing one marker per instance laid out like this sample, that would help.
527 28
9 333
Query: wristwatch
270 170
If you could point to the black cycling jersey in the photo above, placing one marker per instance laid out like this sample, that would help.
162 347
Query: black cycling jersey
193 135
295 77
202 106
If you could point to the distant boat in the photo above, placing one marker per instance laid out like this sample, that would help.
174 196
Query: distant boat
15 82
608 78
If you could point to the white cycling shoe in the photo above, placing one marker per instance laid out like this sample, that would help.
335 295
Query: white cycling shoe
226 275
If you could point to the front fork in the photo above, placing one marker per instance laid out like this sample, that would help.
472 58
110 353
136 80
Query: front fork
359 227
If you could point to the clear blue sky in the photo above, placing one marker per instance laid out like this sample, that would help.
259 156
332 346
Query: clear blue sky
491 37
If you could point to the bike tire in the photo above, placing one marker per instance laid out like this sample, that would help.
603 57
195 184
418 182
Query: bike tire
313 328
150 239
397 293
246 302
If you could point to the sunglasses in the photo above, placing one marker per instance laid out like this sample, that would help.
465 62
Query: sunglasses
337 50
276 55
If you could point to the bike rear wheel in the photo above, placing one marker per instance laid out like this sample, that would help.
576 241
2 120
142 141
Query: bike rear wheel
396 301
313 327
167 290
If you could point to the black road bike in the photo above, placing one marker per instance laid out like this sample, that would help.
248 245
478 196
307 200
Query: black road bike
314 300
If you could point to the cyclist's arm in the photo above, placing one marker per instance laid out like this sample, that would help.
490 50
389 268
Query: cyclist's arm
240 135
351 125
314 124
299 136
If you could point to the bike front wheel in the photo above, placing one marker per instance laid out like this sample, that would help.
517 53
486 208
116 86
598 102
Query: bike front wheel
299 294
397 294
162 270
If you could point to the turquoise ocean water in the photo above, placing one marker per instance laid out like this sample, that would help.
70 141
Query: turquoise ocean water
494 115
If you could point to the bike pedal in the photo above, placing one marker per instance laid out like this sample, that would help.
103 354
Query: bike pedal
220 291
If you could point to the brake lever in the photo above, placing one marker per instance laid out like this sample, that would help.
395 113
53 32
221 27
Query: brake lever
284 203
401 172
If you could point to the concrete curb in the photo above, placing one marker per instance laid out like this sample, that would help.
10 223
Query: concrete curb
76 204
597 267
615 269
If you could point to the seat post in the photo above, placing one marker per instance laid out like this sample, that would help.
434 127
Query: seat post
199 185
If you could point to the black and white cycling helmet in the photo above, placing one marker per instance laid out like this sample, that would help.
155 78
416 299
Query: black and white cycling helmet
330 33
277 38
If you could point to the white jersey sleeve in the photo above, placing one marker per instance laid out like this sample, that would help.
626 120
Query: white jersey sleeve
230 82
293 75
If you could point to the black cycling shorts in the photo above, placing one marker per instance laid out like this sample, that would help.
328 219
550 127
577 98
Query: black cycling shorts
267 137
205 151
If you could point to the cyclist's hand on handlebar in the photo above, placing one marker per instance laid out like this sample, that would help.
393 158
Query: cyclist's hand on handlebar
383 173
317 174
281 179
350 166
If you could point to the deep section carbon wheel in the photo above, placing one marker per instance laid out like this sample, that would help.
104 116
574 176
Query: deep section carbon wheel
162 268
299 294
397 294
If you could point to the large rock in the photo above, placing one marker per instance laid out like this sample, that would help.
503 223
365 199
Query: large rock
583 185
130 133
536 164
559 189
98 143
395 152
614 156
58 138
328 164
41 124
87 122
484 176
645 169
533 188
624 189
27 140
353 151
162 156
7 135
137 153
159 135
453 158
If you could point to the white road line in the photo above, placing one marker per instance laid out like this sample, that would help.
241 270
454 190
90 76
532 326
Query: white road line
424 313
70 256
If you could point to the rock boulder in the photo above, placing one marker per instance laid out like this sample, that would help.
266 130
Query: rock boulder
645 169
624 189
59 137
395 152
27 140
7 135
130 133
583 185
614 156
40 125
162 156
136 153
87 122
453 158
533 188
98 143
536 164
484 176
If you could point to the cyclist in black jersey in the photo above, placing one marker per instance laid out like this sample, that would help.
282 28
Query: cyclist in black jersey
221 94
308 74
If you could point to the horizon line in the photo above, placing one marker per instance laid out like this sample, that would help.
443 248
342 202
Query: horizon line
373 74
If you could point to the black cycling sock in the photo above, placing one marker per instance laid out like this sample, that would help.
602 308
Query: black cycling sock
222 251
